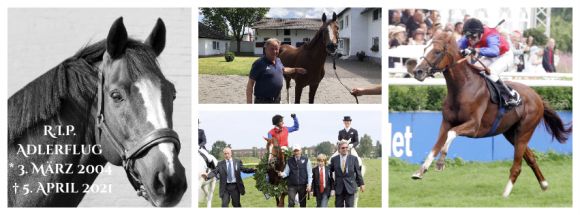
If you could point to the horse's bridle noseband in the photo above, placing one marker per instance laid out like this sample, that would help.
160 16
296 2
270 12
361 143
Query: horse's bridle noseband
128 155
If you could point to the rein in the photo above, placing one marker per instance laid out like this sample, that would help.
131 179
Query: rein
338 78
103 134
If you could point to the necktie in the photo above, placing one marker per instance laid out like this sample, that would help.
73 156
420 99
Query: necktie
343 165
321 184
230 172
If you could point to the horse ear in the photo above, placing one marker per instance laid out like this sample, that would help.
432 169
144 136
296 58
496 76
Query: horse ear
117 39
157 37
324 17
334 16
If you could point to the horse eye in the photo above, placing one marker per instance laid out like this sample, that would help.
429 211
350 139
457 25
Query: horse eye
116 96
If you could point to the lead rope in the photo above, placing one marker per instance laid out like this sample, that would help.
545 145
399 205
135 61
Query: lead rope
340 81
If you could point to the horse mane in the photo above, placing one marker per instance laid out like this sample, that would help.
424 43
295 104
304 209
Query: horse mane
73 80
314 41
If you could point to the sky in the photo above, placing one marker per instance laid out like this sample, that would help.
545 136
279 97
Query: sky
246 129
298 12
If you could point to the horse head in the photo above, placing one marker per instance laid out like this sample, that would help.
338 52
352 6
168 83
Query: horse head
330 33
440 55
134 115
276 151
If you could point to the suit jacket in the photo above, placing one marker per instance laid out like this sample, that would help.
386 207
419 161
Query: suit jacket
316 181
221 172
351 179
352 134
548 66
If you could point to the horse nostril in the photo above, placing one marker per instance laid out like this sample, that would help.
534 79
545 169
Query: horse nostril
160 183
419 72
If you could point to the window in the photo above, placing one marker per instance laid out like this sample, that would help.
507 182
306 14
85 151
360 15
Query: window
341 44
216 45
286 31
376 14
341 24
375 47
346 20
287 39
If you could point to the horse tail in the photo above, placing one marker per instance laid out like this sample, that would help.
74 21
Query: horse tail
555 126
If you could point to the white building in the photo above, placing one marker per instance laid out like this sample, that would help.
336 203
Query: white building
292 31
360 30
211 42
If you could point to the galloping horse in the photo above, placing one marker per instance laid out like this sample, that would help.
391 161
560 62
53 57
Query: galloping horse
468 111
206 187
276 164
310 56
353 152
119 104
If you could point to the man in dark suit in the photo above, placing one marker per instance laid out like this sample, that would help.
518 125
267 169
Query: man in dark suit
347 176
231 184
321 181
548 59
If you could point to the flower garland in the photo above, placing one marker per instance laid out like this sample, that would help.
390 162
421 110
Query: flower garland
262 182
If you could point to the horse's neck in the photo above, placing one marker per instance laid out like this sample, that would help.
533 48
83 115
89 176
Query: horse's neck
317 46
460 79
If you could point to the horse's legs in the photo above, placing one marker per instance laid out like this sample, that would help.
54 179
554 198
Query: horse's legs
298 94
312 92
287 89
211 190
469 128
530 159
443 131
520 146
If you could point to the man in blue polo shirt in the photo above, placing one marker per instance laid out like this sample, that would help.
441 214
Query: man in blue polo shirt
267 75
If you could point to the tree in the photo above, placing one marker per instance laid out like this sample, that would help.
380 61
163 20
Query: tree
365 147
255 152
378 150
561 28
236 20
324 148
217 149
538 34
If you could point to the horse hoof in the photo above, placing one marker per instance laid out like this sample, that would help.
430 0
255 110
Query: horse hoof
440 166
417 176
544 185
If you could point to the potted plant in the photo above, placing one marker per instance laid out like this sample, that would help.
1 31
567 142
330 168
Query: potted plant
230 56
361 55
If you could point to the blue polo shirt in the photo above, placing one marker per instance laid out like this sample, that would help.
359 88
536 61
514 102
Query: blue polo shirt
269 77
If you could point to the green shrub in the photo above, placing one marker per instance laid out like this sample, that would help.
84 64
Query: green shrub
230 56
417 98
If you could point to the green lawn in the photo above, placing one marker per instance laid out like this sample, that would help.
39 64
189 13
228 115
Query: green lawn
370 198
480 185
218 65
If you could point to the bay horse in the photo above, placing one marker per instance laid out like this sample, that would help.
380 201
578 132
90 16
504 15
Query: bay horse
310 56
276 164
468 111
114 97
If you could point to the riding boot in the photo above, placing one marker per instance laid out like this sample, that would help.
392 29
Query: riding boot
513 98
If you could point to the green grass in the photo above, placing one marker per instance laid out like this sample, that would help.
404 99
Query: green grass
218 66
480 185
370 198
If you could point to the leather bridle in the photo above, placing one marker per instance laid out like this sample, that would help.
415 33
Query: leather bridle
439 57
130 153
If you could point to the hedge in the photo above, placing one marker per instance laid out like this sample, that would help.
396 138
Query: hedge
419 98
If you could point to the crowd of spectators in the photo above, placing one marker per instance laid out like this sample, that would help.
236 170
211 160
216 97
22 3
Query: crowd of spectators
418 27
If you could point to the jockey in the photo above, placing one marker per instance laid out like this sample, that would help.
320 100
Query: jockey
209 159
280 132
497 56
